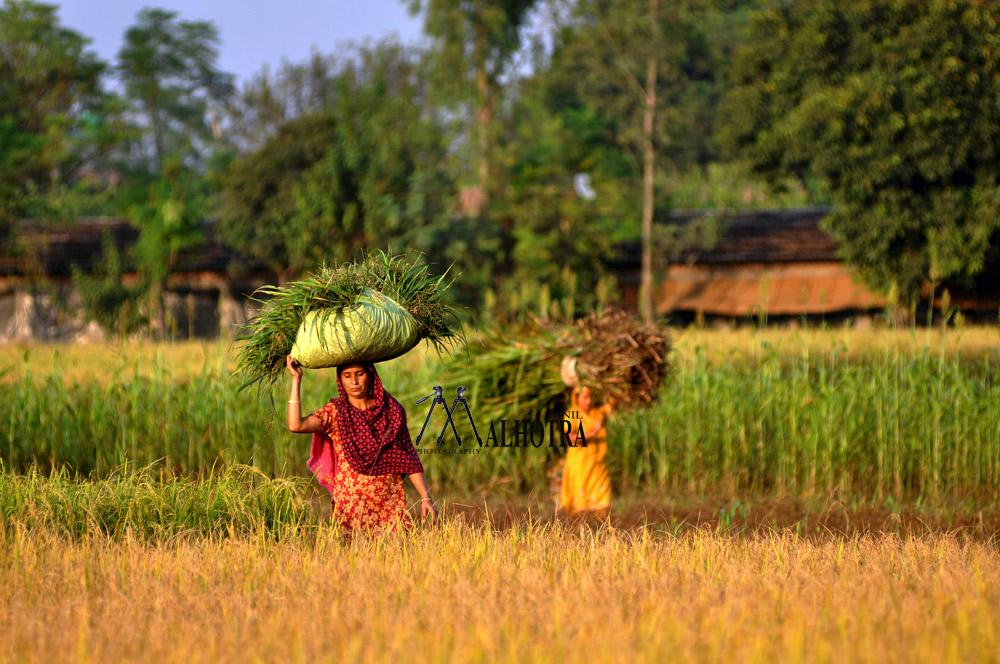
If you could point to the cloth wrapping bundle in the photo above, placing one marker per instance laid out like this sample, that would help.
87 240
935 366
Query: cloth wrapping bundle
373 310
567 370
375 329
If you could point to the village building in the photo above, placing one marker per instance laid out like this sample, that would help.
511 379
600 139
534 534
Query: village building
778 263
207 295
773 264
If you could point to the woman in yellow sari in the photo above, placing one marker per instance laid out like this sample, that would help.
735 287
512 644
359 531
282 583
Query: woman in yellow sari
586 485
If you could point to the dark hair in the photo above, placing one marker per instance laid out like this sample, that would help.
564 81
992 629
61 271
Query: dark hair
364 365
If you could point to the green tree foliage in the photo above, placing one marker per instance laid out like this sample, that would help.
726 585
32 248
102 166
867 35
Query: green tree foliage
639 76
177 95
553 257
169 72
896 104
269 100
474 42
257 210
52 107
106 299
167 209
595 78
368 169
580 111
604 53
388 153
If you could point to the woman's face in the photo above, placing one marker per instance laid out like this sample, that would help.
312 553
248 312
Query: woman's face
356 381
583 399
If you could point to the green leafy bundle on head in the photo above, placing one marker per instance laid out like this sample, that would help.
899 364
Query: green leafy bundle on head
270 335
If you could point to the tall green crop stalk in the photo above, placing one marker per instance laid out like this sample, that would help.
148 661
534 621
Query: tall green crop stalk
146 504
891 426
894 424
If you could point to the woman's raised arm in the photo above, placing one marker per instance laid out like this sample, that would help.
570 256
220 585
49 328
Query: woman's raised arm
296 424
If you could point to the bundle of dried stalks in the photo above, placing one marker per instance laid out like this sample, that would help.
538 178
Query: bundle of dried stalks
523 372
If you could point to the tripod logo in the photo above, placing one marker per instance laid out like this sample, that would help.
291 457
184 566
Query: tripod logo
439 399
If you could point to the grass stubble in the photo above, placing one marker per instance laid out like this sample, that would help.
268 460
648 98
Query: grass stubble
236 567
469 592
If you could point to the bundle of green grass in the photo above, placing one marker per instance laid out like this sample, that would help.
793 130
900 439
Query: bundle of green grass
526 371
370 310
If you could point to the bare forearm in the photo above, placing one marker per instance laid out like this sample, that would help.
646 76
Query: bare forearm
420 485
295 406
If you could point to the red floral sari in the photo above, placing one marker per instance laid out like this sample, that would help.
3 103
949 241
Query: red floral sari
360 502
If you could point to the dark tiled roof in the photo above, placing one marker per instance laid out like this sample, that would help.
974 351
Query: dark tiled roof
758 236
766 236
52 248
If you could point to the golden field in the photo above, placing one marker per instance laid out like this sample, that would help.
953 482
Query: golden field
184 359
786 565
538 593
968 341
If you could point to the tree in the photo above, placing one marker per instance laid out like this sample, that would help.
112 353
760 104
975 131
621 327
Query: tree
561 231
106 299
474 41
561 239
632 61
168 68
168 210
896 105
367 169
52 105
389 153
257 214
270 99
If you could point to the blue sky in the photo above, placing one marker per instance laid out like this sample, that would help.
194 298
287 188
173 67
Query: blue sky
253 32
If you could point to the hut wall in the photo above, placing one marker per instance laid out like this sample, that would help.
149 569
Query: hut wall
35 313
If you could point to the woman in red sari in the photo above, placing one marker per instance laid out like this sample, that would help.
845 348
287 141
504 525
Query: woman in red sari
361 449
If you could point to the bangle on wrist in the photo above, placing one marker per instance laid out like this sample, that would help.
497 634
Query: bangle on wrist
290 401
428 498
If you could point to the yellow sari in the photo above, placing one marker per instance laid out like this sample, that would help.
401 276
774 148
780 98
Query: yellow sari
586 485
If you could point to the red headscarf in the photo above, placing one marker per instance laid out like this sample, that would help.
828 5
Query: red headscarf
375 441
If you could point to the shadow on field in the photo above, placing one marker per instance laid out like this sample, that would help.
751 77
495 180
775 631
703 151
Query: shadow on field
761 515
757 516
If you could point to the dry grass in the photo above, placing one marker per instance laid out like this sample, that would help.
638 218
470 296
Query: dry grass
971 342
100 360
176 361
529 593
183 359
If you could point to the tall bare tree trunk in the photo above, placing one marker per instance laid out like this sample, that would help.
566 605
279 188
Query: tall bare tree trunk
154 117
646 280
484 118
